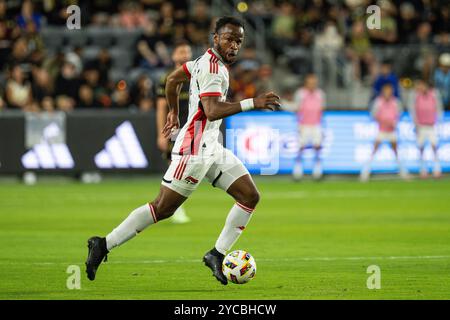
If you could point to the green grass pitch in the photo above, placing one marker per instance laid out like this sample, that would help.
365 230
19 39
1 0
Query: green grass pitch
310 241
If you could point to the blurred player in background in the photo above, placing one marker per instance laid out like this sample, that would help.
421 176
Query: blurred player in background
386 111
197 153
425 107
181 54
310 101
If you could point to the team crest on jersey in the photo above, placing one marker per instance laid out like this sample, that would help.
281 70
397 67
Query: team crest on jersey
191 180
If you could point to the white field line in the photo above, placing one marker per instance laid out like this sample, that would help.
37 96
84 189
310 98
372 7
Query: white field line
175 261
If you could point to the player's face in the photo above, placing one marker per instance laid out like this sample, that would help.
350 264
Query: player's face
311 82
182 54
387 91
228 42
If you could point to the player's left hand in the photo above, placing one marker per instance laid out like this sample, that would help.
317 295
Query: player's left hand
172 123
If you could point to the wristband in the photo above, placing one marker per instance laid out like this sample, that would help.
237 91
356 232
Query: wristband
247 104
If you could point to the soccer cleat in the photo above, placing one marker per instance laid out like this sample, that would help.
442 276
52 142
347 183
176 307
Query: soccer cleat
97 252
213 260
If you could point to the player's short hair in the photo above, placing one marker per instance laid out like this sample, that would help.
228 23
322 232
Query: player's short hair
227 20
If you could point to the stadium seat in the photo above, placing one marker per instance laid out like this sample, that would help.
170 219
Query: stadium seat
90 53
100 37
121 58
117 74
76 38
126 39
53 37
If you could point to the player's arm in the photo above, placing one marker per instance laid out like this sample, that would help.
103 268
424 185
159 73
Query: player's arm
439 105
215 109
174 84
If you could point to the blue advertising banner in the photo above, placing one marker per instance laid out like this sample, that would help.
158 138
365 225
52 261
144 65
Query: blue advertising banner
267 143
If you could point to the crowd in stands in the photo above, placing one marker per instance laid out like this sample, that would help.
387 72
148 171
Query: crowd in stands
35 75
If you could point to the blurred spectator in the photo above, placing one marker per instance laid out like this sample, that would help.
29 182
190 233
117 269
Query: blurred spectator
152 51
181 54
92 79
360 53
56 11
283 28
86 98
442 79
18 90
246 72
35 43
265 81
42 88
67 86
132 15
407 22
166 23
20 53
199 26
386 76
423 56
29 16
327 46
121 96
387 34
103 64
143 93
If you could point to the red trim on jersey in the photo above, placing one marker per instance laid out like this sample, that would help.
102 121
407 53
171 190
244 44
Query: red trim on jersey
210 94
213 54
186 70
152 211
193 135
247 209
213 65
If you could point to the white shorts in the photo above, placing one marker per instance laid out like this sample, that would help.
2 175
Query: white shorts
426 133
186 172
310 135
386 136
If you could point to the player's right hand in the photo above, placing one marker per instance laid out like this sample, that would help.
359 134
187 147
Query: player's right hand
172 123
268 100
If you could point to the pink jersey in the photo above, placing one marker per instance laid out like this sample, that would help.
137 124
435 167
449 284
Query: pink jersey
310 106
386 112
425 108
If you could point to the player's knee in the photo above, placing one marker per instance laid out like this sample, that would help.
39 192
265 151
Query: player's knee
251 198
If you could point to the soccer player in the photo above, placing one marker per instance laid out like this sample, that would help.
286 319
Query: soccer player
197 153
311 102
181 54
425 107
386 111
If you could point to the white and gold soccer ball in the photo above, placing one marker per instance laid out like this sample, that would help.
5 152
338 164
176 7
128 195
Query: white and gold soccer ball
239 266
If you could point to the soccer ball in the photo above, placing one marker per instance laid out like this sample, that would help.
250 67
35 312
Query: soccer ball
239 266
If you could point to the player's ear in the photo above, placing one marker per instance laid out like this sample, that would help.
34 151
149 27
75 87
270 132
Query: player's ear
216 38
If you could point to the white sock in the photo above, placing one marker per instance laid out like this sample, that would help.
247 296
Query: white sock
139 219
235 223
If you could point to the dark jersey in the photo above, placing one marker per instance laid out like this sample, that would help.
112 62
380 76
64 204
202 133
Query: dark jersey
183 106
183 110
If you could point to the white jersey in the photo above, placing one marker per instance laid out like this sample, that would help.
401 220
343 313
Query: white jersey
209 77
